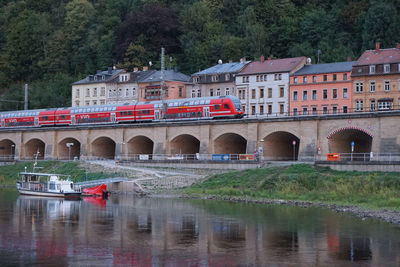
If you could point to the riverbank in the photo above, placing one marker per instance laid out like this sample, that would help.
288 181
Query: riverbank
367 195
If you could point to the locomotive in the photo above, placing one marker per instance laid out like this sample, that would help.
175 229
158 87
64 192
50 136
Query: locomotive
150 111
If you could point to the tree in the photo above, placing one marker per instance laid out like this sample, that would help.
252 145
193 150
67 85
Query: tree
135 56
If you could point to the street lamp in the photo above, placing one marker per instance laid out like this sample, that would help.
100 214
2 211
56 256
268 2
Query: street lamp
12 151
69 145
294 149
260 149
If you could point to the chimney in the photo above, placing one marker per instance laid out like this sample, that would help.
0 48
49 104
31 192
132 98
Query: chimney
145 68
135 69
398 45
377 46
262 58
109 70
243 60
348 58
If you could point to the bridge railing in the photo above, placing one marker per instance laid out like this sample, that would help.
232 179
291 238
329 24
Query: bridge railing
369 157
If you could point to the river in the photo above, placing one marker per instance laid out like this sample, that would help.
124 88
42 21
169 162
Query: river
130 231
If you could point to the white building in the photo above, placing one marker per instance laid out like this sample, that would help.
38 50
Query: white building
263 86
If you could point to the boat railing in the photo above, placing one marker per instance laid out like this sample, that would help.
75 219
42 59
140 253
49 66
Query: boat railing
40 187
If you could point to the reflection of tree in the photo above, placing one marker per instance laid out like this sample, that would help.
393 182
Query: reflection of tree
354 248
282 241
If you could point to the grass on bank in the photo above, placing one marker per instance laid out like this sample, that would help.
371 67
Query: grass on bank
307 183
9 173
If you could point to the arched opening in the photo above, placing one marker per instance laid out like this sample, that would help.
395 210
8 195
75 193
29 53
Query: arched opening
140 145
341 141
103 147
68 149
230 143
32 147
281 146
185 144
7 149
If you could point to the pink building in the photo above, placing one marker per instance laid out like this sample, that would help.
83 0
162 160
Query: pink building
321 89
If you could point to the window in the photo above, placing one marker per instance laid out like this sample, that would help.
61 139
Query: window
295 112
261 93
325 94
119 92
102 91
77 103
196 79
126 92
227 77
359 87
261 110
334 93
180 92
211 92
102 102
305 95
385 105
325 78
334 77
94 102
345 93
198 93
295 80
387 86
314 94
227 91
77 94
334 109
305 111
87 103
265 77
373 105
314 110
295 97
371 69
359 105
242 94
345 76
372 86
269 92
94 91
245 79
386 68
281 108
325 110
281 92
214 78
269 108
193 93
110 93
278 76
314 79
345 110
87 92
305 79
253 110
218 92
253 93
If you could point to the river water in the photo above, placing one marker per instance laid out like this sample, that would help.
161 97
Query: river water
129 231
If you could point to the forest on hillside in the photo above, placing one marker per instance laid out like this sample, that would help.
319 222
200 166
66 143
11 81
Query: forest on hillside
49 44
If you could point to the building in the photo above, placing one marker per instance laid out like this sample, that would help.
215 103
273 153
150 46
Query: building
376 79
321 89
263 86
217 80
174 86
126 86
92 90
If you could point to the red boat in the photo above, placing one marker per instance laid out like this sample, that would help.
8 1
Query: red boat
100 190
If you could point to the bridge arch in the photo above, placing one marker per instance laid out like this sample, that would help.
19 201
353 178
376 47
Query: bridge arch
340 140
185 144
140 145
68 148
230 143
32 147
7 149
279 146
103 147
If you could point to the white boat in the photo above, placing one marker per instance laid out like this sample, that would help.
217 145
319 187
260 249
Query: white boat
47 185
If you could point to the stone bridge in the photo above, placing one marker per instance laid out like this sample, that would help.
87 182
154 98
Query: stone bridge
280 138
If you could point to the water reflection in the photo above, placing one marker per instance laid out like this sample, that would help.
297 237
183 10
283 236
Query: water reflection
171 232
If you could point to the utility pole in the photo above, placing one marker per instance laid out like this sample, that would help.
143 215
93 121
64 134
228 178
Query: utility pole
164 105
26 97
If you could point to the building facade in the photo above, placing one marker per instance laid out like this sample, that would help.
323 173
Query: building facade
92 90
321 89
263 86
376 80
218 80
174 86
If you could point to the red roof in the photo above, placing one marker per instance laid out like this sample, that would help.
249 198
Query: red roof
274 65
382 56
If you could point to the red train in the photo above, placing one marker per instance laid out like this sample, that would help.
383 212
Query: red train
172 110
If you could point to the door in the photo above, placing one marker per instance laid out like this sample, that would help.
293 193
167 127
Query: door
113 117
36 121
157 114
206 112
73 119
2 122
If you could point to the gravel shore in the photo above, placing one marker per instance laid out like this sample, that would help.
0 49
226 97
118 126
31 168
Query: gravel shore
384 215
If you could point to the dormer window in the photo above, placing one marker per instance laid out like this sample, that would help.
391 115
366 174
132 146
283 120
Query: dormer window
95 78
371 69
227 77
214 78
386 68
196 79
295 80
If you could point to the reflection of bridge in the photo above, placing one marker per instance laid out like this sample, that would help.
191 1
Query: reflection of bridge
101 181
280 138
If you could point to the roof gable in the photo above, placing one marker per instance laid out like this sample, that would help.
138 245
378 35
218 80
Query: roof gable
274 65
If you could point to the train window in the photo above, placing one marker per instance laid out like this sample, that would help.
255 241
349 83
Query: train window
170 104
226 106
188 115
114 108
97 109
86 120
183 115
193 114
201 102
196 103
185 103
207 101
216 107
175 104
130 113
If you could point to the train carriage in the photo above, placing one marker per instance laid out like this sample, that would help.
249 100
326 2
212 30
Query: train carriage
93 115
25 118
47 117
144 111
62 116
125 113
